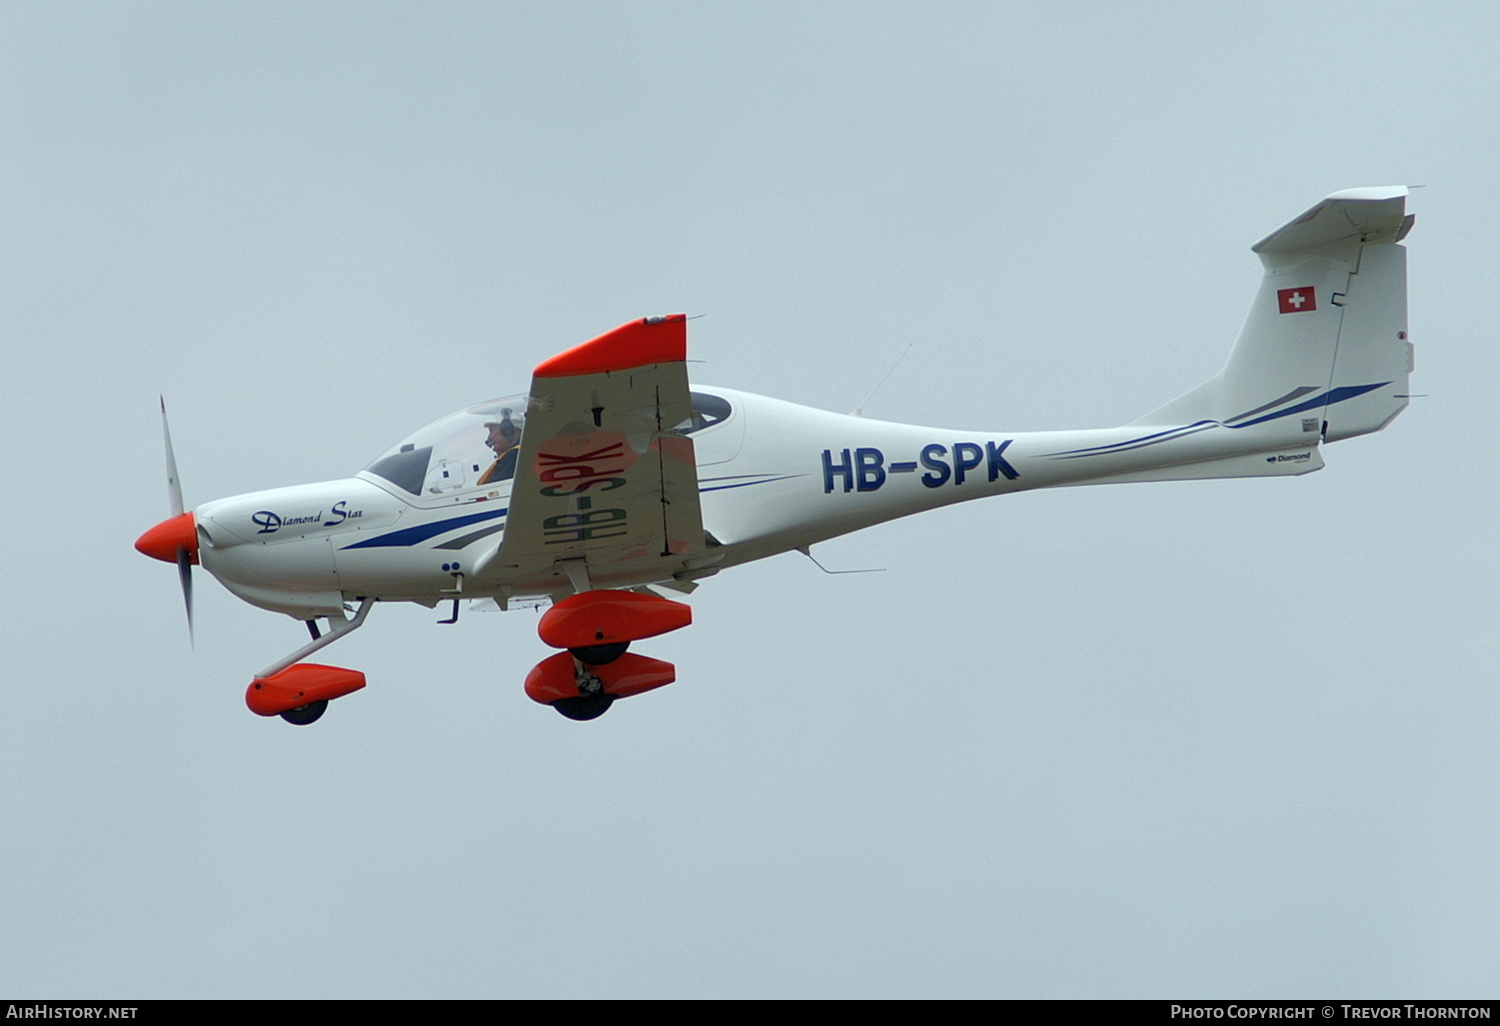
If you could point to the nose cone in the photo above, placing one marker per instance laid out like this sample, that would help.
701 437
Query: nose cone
166 538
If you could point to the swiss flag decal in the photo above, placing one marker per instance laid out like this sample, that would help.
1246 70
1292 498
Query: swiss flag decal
1297 300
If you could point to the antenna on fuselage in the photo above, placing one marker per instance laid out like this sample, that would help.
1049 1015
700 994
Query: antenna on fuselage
806 550
859 411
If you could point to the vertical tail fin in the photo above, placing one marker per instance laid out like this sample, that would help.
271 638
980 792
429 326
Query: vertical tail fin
1324 348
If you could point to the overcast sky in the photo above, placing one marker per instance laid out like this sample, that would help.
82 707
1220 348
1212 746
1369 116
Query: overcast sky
1232 738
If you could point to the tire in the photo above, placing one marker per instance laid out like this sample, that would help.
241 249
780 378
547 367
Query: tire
306 714
584 707
598 655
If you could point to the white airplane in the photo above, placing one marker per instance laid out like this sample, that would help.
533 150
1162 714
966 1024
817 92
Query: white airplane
613 481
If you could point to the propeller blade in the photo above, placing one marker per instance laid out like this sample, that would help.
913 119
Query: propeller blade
174 486
174 500
185 576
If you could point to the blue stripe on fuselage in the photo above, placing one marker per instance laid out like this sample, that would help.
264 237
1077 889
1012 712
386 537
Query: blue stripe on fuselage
420 533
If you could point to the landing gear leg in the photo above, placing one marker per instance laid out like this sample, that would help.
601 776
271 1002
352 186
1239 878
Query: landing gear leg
592 701
336 630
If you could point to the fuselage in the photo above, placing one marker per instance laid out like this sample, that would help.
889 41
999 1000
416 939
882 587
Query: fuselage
772 476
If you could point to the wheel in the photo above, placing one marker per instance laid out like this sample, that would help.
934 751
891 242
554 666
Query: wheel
584 707
598 655
305 714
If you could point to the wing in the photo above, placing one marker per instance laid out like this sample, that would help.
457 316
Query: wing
603 483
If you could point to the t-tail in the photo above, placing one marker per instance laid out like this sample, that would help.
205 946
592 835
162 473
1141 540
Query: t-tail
1323 354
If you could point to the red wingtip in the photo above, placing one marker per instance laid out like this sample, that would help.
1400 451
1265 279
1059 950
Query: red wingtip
636 344
166 538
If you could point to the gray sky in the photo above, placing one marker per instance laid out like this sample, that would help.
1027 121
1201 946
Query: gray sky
1171 740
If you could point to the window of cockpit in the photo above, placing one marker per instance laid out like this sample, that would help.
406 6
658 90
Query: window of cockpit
405 469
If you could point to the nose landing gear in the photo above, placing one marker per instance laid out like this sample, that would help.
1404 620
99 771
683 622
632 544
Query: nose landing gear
300 692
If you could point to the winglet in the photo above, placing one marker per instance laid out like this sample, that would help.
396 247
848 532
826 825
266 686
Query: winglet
635 344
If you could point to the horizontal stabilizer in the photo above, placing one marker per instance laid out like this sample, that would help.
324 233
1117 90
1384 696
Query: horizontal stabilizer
1365 216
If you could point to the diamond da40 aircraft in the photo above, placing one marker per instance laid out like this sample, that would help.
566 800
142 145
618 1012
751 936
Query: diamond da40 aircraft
615 480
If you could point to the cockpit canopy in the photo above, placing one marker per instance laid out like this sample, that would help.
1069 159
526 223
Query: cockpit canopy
455 453
477 447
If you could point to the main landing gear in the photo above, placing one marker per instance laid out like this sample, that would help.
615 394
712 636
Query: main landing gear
596 628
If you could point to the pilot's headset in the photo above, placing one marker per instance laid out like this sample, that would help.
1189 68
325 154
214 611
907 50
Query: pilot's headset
506 425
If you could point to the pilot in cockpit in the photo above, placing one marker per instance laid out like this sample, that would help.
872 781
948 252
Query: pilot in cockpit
505 440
